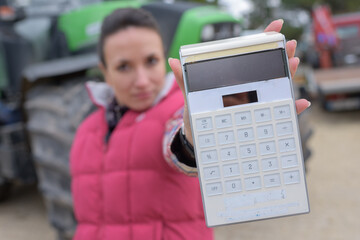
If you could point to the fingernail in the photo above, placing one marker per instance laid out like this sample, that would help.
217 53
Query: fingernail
294 41
281 20
309 104
169 59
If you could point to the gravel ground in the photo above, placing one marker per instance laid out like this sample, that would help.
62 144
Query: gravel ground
333 179
23 217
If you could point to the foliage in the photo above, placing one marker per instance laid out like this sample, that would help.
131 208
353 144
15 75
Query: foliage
292 32
215 2
260 15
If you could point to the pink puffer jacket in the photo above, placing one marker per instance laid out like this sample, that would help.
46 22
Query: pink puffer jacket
125 189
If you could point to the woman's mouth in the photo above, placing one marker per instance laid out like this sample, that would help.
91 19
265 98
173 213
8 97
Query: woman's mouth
143 95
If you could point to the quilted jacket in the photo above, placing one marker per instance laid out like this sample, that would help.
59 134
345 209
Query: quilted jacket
124 189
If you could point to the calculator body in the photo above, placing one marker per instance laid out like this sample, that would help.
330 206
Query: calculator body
245 129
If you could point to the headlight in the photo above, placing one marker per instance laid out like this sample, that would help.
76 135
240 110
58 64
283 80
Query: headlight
218 31
208 33
224 30
236 30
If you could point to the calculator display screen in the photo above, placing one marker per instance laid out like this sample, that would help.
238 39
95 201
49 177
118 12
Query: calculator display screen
234 70
239 98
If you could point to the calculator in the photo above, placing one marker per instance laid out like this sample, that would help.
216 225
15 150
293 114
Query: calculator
245 129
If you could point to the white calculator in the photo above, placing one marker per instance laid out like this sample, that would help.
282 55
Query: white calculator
245 129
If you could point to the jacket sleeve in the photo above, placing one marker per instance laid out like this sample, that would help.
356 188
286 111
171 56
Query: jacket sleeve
183 162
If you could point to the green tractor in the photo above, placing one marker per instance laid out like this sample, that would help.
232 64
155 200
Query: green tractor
47 53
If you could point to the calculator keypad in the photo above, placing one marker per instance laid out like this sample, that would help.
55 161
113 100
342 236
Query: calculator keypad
223 121
233 186
231 170
209 156
265 131
284 128
207 140
269 164
262 115
289 161
291 177
252 183
245 134
203 124
214 188
248 150
243 118
227 154
226 137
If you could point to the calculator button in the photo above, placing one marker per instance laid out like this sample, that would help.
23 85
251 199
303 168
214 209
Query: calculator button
228 153
213 189
207 140
262 115
248 151
209 156
250 167
291 177
246 134
269 164
223 121
282 112
203 124
243 118
289 161
211 173
286 145
272 180
226 137
233 186
265 131
267 148
231 170
284 128
252 183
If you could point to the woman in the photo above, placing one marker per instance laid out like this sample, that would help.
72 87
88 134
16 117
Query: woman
128 160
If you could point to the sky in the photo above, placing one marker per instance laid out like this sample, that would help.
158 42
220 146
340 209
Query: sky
237 7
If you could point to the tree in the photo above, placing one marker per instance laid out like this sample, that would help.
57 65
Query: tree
205 1
260 15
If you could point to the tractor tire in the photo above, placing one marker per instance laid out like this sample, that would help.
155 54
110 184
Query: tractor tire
54 111
5 190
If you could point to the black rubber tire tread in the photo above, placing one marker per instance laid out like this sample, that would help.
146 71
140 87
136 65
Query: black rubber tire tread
5 191
54 112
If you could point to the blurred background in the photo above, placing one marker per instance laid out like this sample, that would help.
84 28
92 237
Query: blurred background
48 51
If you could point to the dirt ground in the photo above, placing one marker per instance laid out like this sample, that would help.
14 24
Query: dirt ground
333 179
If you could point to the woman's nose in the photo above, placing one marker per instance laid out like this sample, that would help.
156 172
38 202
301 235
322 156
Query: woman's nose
142 77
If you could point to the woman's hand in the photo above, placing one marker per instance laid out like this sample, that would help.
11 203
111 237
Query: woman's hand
301 104
276 26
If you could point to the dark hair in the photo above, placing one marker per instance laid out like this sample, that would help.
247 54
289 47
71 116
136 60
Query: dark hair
121 19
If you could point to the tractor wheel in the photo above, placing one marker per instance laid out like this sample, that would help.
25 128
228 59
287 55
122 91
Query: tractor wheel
54 112
5 190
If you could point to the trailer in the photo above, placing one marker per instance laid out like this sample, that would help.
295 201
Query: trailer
339 88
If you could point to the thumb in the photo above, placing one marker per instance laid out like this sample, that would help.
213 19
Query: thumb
175 66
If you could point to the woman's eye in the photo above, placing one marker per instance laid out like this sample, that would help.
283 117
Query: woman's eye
152 61
123 67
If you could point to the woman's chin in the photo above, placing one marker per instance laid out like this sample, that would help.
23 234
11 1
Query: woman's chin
141 106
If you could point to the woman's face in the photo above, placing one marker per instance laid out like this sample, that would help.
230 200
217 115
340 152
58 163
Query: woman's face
135 66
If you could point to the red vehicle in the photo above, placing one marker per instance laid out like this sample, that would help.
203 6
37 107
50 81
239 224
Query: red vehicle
337 41
337 37
348 33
